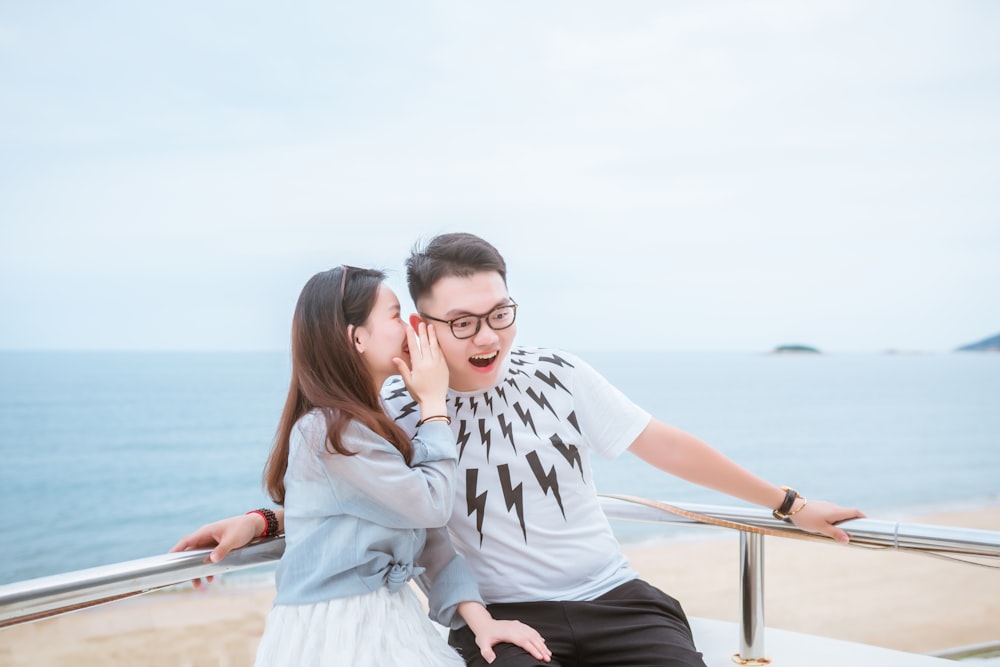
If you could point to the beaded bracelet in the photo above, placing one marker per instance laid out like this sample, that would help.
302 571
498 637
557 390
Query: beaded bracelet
435 418
270 521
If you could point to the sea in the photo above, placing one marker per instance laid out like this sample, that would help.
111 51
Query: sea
112 456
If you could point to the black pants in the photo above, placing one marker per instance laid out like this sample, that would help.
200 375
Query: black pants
634 625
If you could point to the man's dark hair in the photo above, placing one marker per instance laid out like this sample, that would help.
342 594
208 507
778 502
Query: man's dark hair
458 254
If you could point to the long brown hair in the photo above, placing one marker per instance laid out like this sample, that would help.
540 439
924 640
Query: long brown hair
327 372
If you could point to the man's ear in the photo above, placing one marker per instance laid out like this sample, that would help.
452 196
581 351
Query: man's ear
415 320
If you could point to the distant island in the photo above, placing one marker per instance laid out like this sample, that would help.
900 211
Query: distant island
795 349
991 344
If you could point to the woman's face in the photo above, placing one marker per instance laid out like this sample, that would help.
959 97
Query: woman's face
382 337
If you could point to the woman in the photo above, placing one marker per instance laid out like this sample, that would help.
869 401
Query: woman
359 496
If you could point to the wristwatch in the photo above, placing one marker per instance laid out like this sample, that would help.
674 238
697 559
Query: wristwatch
786 505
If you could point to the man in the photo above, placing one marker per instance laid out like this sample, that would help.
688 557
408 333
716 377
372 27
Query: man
527 518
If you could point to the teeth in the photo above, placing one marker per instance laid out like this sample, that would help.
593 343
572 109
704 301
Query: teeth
483 356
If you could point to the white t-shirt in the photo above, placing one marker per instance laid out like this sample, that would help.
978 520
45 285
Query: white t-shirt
527 518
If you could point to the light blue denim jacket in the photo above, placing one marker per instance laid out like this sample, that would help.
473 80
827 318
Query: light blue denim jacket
356 523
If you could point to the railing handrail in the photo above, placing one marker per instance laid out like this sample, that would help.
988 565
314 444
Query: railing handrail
56 594
754 523
864 532
33 599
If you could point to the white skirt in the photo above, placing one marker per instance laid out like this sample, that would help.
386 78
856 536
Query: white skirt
377 629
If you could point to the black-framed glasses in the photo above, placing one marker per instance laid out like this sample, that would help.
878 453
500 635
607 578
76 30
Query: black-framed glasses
468 326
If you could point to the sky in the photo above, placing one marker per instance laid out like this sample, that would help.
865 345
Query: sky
659 175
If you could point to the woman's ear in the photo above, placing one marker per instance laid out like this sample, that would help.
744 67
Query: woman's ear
358 337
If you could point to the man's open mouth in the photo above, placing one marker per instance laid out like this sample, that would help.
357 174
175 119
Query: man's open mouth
483 360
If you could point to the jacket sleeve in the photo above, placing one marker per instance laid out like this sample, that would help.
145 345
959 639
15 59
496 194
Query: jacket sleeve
446 579
377 485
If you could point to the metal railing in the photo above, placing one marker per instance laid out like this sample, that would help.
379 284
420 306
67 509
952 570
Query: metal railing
35 599
979 547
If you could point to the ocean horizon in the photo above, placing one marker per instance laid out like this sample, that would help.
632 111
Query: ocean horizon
114 455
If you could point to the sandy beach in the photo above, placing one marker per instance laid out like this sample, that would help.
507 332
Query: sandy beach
904 601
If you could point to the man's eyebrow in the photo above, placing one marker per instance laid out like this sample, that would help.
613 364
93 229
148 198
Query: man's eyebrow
457 312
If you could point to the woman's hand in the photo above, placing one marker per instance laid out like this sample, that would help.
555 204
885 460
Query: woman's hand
224 535
427 375
489 632
512 632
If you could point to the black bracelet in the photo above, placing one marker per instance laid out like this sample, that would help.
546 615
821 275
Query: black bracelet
786 505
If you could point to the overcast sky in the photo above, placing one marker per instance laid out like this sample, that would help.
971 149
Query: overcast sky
675 175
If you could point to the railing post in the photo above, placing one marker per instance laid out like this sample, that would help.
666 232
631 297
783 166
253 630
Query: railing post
751 600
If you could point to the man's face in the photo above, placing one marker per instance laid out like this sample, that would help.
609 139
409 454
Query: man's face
474 362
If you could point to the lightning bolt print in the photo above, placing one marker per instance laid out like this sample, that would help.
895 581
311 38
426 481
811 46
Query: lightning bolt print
507 430
485 437
473 502
540 400
546 480
556 360
406 410
513 496
525 416
551 380
462 439
571 418
502 393
515 357
570 453
398 391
